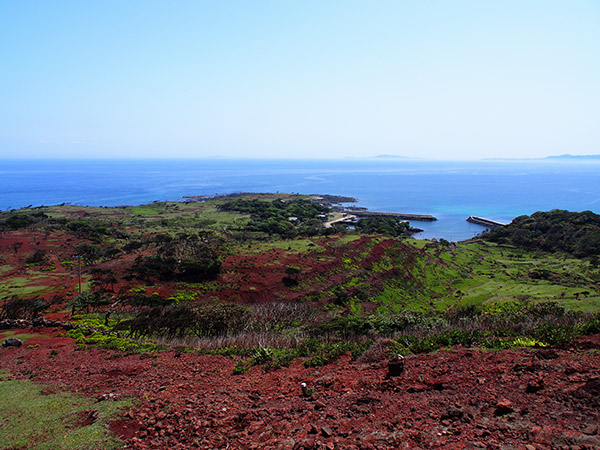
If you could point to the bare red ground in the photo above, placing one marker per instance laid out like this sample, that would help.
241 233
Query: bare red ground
517 399
251 275
17 246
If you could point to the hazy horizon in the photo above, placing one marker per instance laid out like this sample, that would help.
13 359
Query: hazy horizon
461 80
550 158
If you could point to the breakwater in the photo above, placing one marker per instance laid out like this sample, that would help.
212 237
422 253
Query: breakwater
485 222
401 216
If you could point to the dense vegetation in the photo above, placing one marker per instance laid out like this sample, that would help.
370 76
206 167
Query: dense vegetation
186 259
574 233
287 218
382 225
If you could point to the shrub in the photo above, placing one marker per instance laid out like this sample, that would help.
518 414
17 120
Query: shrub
553 334
553 231
240 367
590 327
117 343
262 355
316 361
22 308
218 318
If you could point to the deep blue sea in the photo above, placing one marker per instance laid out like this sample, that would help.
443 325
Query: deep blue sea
451 191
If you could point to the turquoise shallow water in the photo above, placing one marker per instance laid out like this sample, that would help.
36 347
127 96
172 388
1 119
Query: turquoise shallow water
451 191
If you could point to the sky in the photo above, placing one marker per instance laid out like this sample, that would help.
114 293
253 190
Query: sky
316 79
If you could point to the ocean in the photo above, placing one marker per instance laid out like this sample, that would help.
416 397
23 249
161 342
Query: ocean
451 191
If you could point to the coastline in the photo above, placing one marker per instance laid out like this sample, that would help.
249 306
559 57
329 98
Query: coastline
450 191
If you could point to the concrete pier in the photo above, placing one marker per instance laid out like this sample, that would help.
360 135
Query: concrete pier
485 222
401 216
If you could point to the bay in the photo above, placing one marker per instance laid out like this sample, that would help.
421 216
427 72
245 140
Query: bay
451 191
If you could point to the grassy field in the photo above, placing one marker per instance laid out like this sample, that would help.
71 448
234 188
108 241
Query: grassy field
498 273
22 336
23 286
39 417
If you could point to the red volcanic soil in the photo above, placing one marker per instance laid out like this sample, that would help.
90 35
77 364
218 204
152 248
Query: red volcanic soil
251 274
258 277
17 246
460 398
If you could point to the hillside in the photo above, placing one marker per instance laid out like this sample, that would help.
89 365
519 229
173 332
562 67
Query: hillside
246 297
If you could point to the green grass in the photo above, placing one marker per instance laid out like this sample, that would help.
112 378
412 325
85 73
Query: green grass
20 287
417 243
294 245
37 417
476 274
344 239
145 210
6 268
22 336
481 273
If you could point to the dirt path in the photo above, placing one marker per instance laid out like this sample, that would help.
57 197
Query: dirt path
330 223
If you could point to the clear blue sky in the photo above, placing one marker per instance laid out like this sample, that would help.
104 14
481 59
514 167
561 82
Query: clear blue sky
436 79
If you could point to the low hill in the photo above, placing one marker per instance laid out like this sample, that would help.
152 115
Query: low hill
575 233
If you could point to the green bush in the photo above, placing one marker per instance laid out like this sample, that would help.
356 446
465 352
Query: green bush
553 334
262 355
316 361
240 367
109 341
589 327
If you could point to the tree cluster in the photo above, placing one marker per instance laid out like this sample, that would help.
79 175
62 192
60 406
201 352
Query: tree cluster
19 220
22 308
287 218
575 233
188 260
389 226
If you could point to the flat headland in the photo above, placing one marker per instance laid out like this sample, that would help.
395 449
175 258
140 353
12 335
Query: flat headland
401 216
333 201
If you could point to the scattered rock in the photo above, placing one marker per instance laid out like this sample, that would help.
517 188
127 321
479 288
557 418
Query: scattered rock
546 353
306 444
438 385
395 366
526 368
179 409
110 396
590 391
535 386
419 387
85 418
504 407
12 342
319 405
326 431
452 414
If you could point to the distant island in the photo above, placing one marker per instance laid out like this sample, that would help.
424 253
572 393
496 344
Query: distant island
566 156
391 156
569 156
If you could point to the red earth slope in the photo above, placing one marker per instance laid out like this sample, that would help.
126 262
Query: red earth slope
460 398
